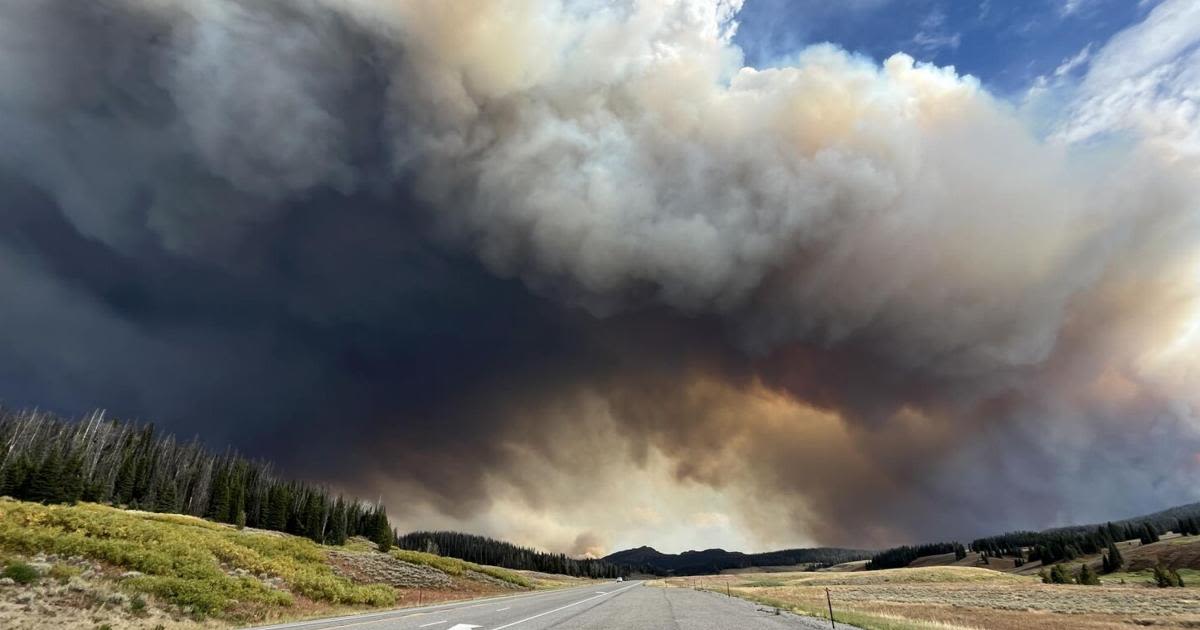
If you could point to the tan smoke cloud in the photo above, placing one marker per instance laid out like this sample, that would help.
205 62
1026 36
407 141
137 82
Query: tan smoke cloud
879 306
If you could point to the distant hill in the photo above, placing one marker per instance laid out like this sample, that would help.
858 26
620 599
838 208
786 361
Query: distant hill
502 554
1137 538
711 561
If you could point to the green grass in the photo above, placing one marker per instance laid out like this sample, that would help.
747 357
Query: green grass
181 557
454 566
20 573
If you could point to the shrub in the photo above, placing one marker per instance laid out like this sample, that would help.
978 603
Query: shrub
63 572
1166 578
137 605
20 573
1087 576
1058 575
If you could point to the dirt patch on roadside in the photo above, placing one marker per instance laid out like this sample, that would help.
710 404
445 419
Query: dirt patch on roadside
496 582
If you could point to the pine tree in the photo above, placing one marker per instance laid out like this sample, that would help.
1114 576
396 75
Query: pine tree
219 504
71 489
314 516
1113 559
93 491
16 479
123 490
337 523
279 504
382 534
46 483
239 509
166 499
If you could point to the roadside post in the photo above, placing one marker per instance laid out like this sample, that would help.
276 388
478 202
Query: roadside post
829 600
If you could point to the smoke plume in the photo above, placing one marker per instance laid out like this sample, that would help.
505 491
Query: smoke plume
494 260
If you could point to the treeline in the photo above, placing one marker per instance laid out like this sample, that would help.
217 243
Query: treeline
822 556
1057 545
482 550
898 557
46 459
1063 544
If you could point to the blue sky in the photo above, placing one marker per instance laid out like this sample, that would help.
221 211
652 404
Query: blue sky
1006 44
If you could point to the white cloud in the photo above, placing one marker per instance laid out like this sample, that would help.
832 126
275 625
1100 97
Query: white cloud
1071 7
933 35
1145 81
1071 63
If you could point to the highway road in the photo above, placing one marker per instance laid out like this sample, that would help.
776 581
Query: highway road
599 606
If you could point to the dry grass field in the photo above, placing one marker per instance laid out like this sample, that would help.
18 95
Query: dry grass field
966 597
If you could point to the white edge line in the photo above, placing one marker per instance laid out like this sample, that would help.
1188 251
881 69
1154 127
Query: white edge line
503 609
564 607
434 623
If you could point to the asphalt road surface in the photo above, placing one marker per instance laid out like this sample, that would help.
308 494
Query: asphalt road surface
600 606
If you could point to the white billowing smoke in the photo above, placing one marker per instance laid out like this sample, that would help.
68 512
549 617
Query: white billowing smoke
618 155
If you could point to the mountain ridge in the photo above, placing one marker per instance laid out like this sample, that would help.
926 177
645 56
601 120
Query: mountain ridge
700 562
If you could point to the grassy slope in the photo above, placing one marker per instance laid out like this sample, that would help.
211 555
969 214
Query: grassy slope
205 568
454 566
